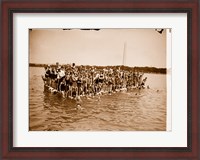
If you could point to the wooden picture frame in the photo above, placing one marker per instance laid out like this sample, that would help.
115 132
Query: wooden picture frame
87 6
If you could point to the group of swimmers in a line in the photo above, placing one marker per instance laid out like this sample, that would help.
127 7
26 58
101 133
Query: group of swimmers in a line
75 81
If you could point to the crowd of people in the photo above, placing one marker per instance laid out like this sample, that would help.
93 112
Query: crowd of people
75 81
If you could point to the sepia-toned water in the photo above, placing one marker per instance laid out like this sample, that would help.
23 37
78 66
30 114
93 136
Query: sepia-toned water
135 110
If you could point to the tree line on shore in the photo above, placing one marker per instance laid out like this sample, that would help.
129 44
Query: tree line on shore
138 69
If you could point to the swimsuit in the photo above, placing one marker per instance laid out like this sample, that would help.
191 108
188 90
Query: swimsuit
62 87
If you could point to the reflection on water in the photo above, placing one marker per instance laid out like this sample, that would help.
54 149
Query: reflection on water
135 110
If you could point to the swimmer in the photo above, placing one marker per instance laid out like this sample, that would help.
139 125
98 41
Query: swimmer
78 103
78 106
78 99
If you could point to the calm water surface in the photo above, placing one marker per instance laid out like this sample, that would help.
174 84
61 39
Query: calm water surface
136 110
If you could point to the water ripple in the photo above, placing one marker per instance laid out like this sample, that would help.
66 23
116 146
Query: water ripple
135 110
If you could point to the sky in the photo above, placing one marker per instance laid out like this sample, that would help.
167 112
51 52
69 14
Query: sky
140 47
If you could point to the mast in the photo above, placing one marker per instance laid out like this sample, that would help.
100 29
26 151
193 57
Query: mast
124 54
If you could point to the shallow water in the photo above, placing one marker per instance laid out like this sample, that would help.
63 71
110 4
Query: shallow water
135 110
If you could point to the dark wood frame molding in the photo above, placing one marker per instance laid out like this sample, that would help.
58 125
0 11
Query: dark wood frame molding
9 7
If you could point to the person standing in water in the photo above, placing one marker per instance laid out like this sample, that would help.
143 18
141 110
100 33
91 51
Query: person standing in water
62 87
60 76
79 83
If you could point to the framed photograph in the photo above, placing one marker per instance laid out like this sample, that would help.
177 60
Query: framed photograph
99 80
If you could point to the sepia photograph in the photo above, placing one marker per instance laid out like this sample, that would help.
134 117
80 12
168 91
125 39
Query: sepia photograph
98 79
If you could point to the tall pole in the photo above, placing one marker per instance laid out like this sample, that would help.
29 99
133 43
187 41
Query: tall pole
124 54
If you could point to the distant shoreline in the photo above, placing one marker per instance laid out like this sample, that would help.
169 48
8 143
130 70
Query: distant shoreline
139 69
